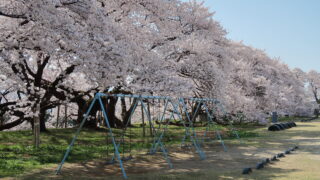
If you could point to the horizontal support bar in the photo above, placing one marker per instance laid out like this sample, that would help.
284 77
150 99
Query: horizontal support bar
133 96
202 99
157 97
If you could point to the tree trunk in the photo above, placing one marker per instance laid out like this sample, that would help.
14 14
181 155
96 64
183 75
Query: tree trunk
65 116
123 110
43 127
149 116
100 120
316 112
82 109
111 111
143 124
42 119
110 108
126 117
194 114
36 128
58 116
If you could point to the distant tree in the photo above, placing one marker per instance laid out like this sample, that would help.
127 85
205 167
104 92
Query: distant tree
313 79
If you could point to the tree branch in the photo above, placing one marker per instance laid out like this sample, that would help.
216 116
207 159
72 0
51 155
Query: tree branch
16 16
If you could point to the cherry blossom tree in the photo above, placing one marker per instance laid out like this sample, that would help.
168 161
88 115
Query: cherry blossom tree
313 81
54 52
47 41
260 85
46 44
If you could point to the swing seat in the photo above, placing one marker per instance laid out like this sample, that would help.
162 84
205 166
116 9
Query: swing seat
150 153
186 146
128 158
207 139
111 162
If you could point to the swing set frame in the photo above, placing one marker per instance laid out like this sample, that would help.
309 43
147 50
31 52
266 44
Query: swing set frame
160 133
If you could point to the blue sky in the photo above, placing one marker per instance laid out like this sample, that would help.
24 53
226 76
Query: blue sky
289 29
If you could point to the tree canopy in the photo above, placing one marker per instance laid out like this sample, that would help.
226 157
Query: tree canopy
57 51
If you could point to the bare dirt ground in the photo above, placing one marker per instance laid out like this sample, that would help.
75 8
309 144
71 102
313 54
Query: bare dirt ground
301 164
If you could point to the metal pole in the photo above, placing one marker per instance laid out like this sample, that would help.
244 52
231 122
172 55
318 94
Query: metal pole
111 135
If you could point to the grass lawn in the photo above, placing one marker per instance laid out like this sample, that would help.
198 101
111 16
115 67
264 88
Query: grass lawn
17 154
18 159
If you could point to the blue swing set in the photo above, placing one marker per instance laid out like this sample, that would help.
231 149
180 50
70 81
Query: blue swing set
159 132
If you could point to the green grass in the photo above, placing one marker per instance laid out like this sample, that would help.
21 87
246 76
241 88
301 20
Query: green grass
17 155
19 159
290 118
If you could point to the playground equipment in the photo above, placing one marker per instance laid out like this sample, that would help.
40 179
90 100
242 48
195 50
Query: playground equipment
158 122
281 126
